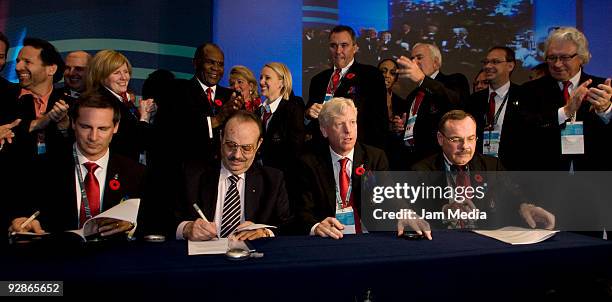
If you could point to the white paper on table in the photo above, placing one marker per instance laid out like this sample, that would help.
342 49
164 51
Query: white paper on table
209 247
517 235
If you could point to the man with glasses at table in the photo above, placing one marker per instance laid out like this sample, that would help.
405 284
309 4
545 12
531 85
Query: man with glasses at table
460 163
568 111
235 192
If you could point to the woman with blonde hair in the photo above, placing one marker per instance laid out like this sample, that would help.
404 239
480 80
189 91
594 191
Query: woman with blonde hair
242 80
282 117
109 73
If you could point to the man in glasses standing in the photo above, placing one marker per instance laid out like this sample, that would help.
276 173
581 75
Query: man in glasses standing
235 192
496 108
568 111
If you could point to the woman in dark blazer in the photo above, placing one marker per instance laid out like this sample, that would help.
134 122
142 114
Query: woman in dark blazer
282 117
109 75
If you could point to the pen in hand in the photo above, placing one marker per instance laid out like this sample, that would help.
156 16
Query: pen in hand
195 206
30 219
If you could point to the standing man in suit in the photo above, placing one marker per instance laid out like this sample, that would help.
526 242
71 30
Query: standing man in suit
329 197
496 109
567 105
4 47
361 83
235 192
435 95
459 160
81 184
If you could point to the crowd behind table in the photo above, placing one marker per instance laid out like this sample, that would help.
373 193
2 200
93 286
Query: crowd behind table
246 155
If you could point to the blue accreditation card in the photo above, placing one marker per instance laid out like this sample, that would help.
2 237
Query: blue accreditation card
572 138
347 218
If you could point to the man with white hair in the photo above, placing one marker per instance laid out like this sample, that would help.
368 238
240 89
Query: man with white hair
329 197
568 110
435 95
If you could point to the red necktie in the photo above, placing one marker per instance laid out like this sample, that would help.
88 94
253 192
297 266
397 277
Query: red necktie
566 95
209 95
463 179
417 101
335 81
343 178
92 188
491 113
266 115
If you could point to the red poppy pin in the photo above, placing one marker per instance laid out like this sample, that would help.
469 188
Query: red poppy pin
350 75
114 183
218 103
360 170
478 178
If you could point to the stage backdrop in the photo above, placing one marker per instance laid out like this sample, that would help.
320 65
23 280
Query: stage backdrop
163 33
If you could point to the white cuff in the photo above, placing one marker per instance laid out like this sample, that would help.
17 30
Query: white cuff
180 229
312 229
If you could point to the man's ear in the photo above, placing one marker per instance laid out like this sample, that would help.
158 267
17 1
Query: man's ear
116 127
513 65
259 142
440 138
323 131
51 69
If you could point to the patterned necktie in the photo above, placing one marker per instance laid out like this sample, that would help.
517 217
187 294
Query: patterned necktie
418 99
231 209
491 113
209 96
566 95
92 189
335 81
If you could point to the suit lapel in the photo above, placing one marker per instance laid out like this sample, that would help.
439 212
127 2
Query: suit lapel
345 82
112 197
253 183
359 158
209 189
327 177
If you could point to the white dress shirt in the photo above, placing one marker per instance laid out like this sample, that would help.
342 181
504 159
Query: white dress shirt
99 173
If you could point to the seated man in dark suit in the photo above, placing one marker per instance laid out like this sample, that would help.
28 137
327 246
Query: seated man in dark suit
235 192
75 186
457 137
326 204
435 95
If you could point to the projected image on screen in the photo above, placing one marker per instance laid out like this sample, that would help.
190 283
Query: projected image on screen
463 30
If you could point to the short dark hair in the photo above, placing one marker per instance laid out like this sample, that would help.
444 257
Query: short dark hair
96 100
199 53
246 116
48 54
343 28
4 38
454 115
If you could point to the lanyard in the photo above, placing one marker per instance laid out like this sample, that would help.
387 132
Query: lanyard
343 204
84 199
492 125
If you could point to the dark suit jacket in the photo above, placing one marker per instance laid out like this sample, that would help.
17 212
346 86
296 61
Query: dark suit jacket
365 85
284 137
442 94
316 192
510 151
265 202
498 186
182 119
541 99
133 136
56 196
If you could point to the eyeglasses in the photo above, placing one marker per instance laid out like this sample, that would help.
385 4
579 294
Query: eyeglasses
246 149
494 62
460 140
563 58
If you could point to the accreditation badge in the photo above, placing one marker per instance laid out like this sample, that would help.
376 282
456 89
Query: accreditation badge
409 132
328 96
491 141
347 218
572 138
